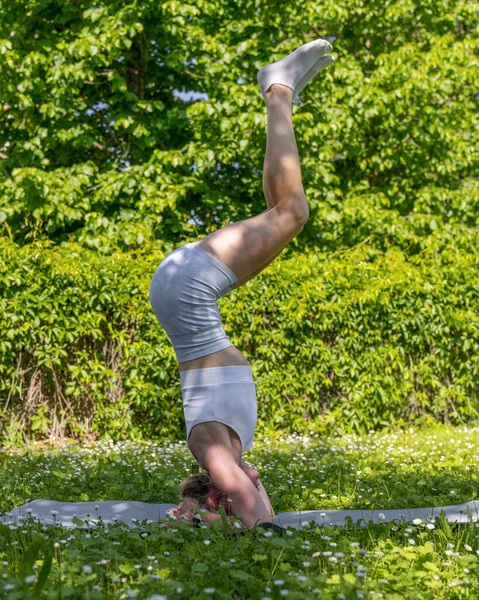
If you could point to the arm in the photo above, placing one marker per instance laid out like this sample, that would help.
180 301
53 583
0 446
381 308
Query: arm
187 508
254 476
228 477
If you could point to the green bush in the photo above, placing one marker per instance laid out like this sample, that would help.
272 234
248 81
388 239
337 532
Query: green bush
361 339
370 317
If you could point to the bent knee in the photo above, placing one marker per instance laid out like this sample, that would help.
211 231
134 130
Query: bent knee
296 211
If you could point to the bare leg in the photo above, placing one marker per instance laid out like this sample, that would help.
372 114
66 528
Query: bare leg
248 246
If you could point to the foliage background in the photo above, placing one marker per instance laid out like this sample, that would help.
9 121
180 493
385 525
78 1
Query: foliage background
107 163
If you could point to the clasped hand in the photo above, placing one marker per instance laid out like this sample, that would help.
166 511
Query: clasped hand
184 508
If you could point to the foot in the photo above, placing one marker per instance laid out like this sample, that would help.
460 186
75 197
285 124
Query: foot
292 69
318 66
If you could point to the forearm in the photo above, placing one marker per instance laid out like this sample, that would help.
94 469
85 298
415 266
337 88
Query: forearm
265 498
211 517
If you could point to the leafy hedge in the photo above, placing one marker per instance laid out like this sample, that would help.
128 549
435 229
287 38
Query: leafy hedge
361 339
368 319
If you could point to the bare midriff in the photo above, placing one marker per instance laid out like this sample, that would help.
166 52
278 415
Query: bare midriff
228 357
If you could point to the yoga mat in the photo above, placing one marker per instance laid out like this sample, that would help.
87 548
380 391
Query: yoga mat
125 511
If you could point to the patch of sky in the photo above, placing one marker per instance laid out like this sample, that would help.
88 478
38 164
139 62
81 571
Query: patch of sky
98 106
194 220
186 96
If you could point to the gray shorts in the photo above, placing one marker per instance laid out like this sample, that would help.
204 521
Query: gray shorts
183 295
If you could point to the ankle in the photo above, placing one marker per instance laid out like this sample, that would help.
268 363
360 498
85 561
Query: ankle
279 92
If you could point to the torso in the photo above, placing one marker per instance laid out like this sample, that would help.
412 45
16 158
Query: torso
224 358
200 437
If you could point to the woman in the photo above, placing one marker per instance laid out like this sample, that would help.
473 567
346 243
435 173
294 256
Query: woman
219 395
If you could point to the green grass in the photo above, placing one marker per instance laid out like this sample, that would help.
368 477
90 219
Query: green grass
406 469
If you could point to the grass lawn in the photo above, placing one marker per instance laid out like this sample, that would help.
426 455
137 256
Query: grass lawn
420 467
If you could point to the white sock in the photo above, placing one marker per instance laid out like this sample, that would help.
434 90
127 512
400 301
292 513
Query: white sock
318 66
291 69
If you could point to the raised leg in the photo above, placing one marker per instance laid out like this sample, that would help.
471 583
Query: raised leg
248 246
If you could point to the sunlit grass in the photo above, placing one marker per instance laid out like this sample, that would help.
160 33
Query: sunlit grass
413 468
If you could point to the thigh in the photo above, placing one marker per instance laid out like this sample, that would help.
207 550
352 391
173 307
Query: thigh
246 246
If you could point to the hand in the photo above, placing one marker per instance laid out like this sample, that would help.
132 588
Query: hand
184 508
252 473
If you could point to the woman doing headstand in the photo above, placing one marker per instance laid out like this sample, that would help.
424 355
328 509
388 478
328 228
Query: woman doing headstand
219 395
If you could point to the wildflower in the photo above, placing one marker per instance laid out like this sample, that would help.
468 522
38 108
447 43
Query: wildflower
302 578
430 526
284 593
412 542
467 547
278 582
87 569
30 579
166 553
417 521
157 597
209 590
306 564
382 516
289 532
268 533
207 542
232 560
316 554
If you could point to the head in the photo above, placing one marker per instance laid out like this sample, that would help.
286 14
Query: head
200 487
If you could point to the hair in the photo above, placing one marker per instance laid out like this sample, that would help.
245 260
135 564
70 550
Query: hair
197 486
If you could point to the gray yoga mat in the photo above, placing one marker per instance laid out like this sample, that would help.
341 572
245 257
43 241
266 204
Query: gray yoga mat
132 513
